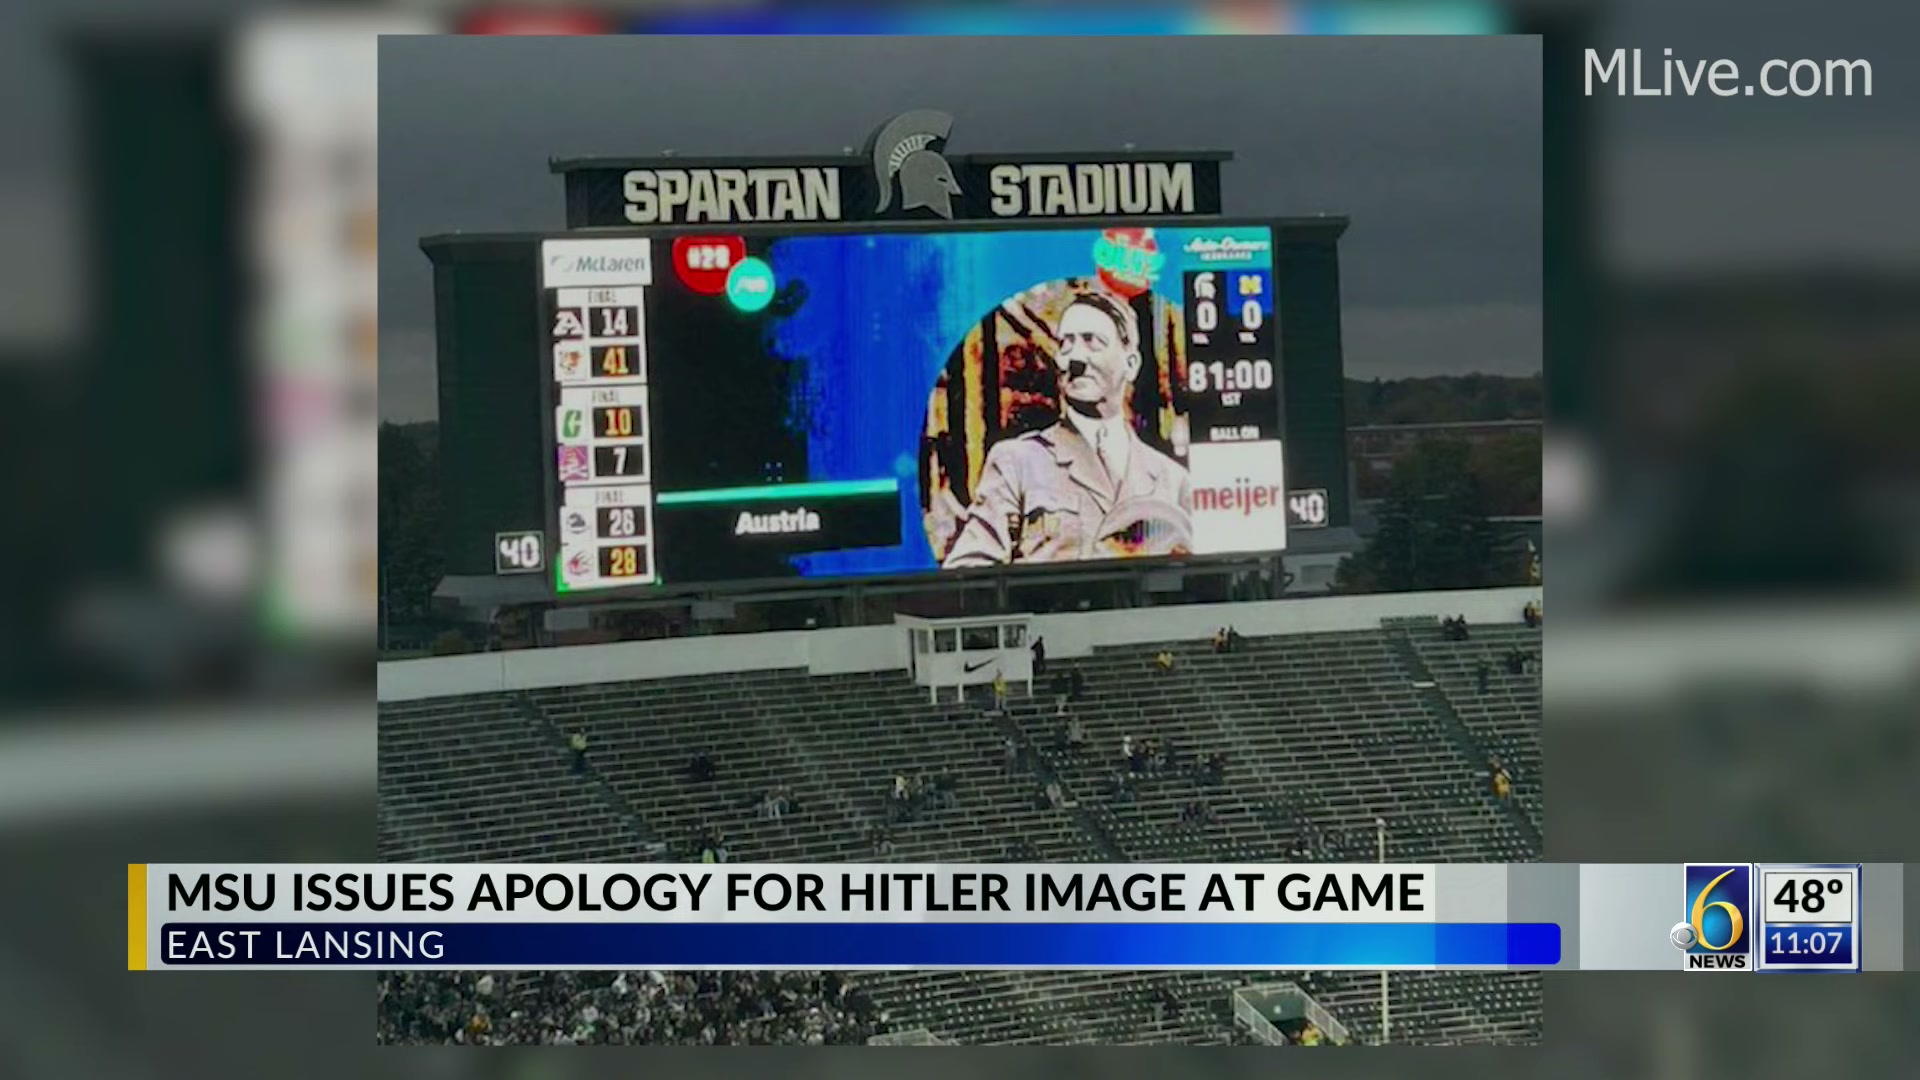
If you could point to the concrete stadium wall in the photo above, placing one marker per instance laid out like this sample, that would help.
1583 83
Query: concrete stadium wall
884 648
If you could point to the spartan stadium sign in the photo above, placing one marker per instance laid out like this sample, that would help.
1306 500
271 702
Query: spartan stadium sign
905 173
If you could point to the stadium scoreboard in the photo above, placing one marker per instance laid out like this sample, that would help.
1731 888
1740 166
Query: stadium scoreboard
752 369
847 401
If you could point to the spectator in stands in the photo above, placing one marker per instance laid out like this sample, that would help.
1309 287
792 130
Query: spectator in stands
1079 688
1192 813
1309 1035
882 842
1154 759
1168 1001
1531 615
1233 640
1010 754
1055 796
1220 640
775 804
1216 769
1516 662
1039 651
943 792
1499 779
1460 624
578 744
1076 736
1164 661
1481 671
999 692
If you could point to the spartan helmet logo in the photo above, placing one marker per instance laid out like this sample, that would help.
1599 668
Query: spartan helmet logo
908 147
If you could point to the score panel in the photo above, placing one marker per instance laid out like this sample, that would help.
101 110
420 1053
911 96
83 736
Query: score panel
602 421
1232 379
606 536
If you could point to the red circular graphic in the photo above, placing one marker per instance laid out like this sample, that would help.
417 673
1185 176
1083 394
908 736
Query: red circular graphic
1131 275
704 261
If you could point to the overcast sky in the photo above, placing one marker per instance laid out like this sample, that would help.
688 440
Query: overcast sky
1431 146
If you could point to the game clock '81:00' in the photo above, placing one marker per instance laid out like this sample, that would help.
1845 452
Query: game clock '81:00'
1223 377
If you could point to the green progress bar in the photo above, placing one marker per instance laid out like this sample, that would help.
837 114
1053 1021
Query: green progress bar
828 490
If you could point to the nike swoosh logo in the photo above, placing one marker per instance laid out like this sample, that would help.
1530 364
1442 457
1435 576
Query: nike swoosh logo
971 668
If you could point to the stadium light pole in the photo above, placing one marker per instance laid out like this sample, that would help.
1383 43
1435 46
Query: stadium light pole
1380 838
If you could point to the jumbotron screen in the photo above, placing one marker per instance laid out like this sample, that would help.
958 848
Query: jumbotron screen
733 406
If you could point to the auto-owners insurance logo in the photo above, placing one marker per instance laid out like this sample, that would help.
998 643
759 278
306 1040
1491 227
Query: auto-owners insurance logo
574 263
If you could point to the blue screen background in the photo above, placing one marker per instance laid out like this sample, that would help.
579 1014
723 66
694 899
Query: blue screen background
882 315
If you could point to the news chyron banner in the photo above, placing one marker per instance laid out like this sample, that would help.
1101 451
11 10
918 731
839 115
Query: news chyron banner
1724 918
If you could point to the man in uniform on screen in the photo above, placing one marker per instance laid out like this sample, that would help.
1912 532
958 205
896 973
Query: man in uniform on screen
1086 486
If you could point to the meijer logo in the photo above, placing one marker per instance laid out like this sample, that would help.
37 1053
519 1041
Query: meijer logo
1243 496
571 263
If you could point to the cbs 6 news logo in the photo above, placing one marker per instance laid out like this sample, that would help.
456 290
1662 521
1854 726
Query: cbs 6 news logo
1694 931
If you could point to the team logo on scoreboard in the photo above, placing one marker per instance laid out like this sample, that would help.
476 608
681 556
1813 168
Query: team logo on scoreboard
1717 931
577 523
573 423
568 323
575 466
569 360
580 566
908 149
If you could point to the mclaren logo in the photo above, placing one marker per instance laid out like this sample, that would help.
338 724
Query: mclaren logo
595 262
907 149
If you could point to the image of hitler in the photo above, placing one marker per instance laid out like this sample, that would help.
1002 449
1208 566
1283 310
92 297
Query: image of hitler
1052 435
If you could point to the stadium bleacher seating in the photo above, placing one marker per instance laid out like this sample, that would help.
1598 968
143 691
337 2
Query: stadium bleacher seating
1323 736
1506 719
475 779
